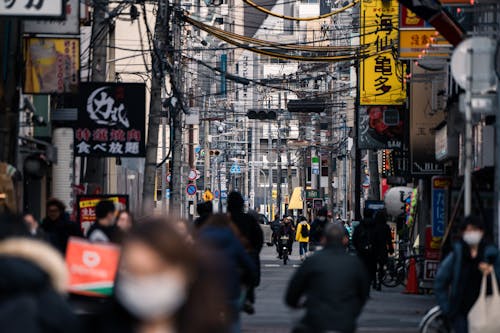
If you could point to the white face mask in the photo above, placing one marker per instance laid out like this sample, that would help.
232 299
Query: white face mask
152 297
472 237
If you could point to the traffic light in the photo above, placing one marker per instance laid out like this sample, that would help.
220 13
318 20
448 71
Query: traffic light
262 114
306 105
214 152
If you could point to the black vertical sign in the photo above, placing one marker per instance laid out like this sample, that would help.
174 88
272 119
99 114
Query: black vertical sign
111 120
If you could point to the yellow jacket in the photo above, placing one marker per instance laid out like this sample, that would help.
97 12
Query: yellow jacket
298 235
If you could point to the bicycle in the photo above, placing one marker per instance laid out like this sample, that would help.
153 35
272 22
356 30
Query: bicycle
284 248
397 267
434 322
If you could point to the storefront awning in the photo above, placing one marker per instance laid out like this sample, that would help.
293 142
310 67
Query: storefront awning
296 199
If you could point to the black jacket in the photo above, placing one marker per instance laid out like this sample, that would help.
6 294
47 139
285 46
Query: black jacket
336 288
317 229
59 231
29 302
250 229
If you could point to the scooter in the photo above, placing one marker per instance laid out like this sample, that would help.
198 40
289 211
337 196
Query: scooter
284 248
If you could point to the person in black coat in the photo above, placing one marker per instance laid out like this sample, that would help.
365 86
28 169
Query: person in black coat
32 283
318 226
363 240
58 226
252 238
204 210
382 245
335 286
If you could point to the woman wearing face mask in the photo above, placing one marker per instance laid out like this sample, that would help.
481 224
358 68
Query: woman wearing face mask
458 280
162 286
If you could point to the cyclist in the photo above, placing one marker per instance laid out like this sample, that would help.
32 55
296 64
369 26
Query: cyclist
458 280
286 229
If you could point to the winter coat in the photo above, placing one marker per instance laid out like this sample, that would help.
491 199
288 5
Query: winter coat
31 283
103 234
59 231
249 229
382 241
317 230
447 286
237 265
298 236
335 286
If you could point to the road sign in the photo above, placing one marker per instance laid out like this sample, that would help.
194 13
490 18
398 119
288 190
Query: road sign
208 196
217 194
192 174
191 189
235 168
223 194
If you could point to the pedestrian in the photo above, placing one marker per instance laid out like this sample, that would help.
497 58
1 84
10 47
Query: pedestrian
58 226
33 283
124 220
286 231
458 280
334 284
252 238
104 229
382 245
317 229
362 240
204 210
34 227
236 267
163 285
275 227
302 236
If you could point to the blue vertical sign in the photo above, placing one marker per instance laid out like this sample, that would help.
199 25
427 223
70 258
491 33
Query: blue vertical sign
223 70
439 195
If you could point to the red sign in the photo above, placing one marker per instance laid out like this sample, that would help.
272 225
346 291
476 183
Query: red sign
92 267
86 207
432 245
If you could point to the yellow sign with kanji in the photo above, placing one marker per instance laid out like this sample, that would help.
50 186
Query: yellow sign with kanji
381 75
208 196
413 42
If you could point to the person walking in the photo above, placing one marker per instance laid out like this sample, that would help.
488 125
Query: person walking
286 230
458 279
363 239
252 238
204 210
382 246
104 229
335 286
58 226
318 226
302 236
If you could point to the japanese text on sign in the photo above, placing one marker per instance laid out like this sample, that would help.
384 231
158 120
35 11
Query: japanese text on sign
35 8
381 74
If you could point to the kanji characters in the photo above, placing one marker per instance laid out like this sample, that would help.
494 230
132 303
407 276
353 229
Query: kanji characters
30 4
83 148
383 65
83 134
102 109
132 147
381 86
117 135
384 23
115 148
133 135
100 134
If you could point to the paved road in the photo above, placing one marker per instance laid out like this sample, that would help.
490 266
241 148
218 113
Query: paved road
389 311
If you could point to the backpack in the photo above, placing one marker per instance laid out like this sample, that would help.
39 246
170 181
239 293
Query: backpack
364 241
304 231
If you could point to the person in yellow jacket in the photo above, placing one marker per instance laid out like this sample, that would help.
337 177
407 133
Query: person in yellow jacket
302 236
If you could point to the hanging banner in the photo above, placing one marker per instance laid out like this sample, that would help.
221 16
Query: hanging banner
381 75
425 116
85 206
52 65
69 26
439 194
92 267
36 9
111 120
381 127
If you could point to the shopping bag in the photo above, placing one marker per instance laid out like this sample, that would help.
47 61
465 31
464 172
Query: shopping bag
483 317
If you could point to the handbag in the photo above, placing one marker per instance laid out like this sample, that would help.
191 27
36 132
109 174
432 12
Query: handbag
483 317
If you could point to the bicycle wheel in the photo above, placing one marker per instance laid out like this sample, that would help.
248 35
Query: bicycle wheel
390 279
434 322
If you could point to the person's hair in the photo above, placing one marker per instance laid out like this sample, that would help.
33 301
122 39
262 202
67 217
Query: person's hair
204 208
380 217
235 202
335 234
472 220
323 212
218 220
103 208
56 202
302 218
166 241
125 211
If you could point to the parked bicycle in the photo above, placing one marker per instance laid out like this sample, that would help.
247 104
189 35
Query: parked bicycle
397 267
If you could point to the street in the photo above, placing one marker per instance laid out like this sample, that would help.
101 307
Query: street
386 311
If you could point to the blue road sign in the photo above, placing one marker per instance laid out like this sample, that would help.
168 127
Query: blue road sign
217 194
191 189
223 194
235 168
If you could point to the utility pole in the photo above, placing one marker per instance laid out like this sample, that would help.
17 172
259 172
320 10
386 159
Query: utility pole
279 175
161 34
95 174
176 121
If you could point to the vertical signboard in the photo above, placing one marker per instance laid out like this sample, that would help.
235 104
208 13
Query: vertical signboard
439 198
425 116
381 75
111 120
52 65
381 127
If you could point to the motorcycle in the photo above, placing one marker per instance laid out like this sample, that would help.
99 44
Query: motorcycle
284 248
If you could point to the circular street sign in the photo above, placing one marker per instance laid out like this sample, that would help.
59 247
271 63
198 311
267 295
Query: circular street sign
169 178
475 58
192 174
216 194
272 156
191 189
